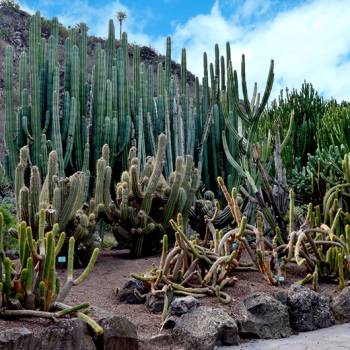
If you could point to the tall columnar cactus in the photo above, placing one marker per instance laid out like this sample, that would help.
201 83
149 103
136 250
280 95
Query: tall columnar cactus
11 120
76 114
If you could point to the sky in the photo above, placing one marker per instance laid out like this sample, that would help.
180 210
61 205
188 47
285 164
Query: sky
308 39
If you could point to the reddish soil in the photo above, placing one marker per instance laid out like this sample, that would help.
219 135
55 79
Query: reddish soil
113 269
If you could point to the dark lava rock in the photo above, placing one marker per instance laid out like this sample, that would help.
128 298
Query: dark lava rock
127 292
341 306
308 310
180 306
263 317
170 322
16 338
119 333
67 334
204 328
163 341
155 302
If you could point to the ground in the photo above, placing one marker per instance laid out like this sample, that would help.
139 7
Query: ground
333 338
113 268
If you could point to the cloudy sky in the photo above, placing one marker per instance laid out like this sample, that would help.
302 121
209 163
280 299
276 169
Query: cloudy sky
309 40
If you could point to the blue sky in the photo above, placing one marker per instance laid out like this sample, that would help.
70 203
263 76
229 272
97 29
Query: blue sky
308 39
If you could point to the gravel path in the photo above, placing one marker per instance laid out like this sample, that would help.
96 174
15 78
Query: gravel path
333 338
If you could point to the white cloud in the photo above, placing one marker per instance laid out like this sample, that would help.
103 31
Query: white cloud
306 42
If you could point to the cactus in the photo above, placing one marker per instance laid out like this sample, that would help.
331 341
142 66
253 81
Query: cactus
145 199
150 104
37 289
62 202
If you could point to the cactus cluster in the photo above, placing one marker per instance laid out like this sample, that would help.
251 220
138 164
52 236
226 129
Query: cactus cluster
145 200
202 266
31 287
76 115
61 199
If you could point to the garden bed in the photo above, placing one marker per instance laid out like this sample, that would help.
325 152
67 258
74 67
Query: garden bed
114 268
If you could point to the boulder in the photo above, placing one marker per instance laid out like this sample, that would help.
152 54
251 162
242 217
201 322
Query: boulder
180 306
119 332
263 317
19 338
308 310
204 328
66 334
127 292
341 306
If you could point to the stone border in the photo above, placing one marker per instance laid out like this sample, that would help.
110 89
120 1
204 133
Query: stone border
261 316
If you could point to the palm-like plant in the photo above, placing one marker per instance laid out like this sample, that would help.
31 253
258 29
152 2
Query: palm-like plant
121 15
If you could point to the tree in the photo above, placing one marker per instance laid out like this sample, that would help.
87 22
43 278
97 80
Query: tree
121 15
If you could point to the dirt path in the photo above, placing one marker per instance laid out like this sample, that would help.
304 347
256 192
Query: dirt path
333 338
112 270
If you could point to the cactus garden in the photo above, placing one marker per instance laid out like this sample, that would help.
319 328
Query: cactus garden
134 194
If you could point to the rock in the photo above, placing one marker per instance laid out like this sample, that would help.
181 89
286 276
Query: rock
67 334
170 322
99 314
341 306
180 306
308 310
155 302
119 332
16 338
281 296
127 292
204 328
156 342
264 317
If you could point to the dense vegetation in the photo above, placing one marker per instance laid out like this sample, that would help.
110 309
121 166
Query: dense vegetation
145 153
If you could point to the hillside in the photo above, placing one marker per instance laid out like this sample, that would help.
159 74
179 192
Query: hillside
14 25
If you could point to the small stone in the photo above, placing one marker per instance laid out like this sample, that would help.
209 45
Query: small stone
155 302
127 292
180 306
170 322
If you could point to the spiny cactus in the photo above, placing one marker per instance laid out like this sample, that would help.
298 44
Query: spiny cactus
31 287
61 198
113 109
145 200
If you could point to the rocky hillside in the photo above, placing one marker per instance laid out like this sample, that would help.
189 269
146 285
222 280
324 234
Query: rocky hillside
14 25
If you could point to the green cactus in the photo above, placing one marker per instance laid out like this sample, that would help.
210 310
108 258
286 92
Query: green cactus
38 288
